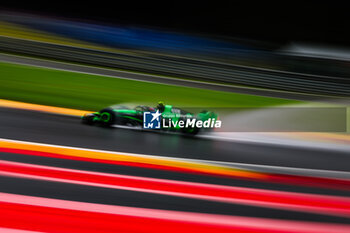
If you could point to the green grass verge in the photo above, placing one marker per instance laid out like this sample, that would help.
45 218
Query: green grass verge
93 92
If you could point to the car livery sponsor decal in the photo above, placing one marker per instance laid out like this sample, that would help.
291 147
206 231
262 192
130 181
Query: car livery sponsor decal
151 120
155 120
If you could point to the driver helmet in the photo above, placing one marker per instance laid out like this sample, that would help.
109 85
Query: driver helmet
161 106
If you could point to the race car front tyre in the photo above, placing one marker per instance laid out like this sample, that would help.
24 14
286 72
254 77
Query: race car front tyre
107 117
88 119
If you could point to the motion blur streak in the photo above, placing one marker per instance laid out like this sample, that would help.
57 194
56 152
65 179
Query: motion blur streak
305 202
8 230
45 214
163 163
117 157
41 108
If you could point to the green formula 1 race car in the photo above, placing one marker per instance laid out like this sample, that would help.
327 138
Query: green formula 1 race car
162 117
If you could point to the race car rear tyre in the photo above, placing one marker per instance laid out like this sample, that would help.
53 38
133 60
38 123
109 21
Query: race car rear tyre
107 117
189 130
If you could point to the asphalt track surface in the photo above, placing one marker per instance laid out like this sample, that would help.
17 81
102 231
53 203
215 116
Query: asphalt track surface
63 130
67 131
38 127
